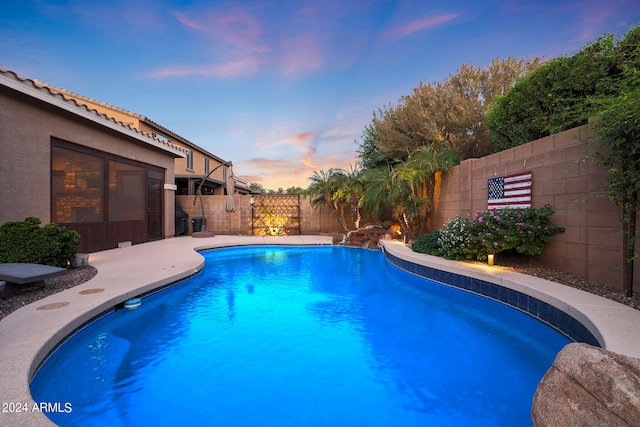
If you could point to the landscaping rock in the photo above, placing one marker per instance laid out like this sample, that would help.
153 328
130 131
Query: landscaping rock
588 386
338 238
367 237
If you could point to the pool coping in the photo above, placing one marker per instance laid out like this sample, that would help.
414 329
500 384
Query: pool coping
30 333
613 324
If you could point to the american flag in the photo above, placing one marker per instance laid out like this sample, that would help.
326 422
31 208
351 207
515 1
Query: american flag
510 191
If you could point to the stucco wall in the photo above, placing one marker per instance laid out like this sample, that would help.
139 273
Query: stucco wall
26 128
591 246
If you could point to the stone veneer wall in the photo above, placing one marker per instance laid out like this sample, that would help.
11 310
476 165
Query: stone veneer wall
592 244
219 221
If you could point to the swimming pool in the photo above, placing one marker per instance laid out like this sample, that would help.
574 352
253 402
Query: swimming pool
302 335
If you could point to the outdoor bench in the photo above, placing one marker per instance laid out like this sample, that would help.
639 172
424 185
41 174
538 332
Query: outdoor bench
16 276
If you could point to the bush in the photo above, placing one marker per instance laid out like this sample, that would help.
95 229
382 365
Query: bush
455 239
427 244
525 231
25 241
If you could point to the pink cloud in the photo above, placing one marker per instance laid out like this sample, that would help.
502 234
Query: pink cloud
307 159
282 172
264 164
595 15
297 139
190 23
235 28
234 35
243 67
300 54
406 29
289 46
274 173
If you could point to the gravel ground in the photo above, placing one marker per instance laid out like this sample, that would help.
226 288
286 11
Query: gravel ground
77 276
522 265
69 279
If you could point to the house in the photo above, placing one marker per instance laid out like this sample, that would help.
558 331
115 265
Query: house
190 170
67 162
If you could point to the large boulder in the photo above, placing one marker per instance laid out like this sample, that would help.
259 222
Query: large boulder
338 238
368 236
588 386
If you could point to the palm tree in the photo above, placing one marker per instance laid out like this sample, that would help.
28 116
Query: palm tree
323 187
408 188
350 192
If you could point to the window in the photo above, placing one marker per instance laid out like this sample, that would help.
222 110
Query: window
77 186
206 165
190 160
88 186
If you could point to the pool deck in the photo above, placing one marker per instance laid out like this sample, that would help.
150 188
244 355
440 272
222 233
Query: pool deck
30 333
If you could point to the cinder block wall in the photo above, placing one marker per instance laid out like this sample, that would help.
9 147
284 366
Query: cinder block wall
219 221
592 244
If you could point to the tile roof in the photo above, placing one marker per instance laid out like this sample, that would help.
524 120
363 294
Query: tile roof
56 96
77 96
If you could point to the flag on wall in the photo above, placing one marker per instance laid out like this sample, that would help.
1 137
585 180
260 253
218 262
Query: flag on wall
510 191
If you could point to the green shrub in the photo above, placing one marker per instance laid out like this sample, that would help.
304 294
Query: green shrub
427 244
26 241
525 231
455 239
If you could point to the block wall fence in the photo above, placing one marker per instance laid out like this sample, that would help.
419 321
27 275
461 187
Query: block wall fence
592 244
219 221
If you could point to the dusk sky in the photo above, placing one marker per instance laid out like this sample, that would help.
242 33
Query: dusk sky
281 88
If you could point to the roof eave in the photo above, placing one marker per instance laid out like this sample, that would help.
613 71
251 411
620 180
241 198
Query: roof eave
27 87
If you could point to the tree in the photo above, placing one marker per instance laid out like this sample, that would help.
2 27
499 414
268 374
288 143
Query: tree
407 188
295 190
619 139
350 192
561 94
324 185
473 89
400 130
257 188
341 191
368 156
447 115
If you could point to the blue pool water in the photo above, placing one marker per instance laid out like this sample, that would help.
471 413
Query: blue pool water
275 336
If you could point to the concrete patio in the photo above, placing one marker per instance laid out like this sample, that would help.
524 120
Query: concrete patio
30 333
